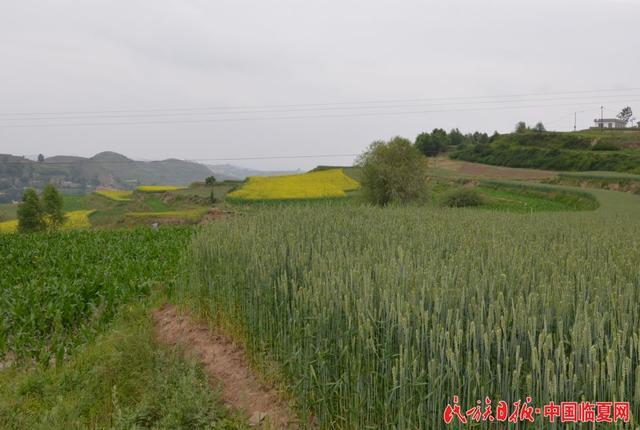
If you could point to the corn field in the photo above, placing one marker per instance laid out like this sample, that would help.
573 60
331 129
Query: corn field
378 317
58 289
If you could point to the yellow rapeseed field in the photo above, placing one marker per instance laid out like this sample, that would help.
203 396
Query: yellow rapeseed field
312 185
75 220
9 226
157 188
117 195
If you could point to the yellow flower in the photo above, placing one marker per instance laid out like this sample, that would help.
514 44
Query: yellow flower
313 185
9 226
157 188
117 195
73 220
77 220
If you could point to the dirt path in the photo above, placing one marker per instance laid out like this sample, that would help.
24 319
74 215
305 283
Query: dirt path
226 365
488 171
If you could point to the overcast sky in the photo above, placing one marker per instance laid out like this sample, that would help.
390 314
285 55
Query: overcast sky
294 77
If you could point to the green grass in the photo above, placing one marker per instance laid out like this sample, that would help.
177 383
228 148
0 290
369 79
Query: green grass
8 211
603 180
613 176
377 317
75 203
190 204
122 380
519 197
609 136
156 205
354 172
513 201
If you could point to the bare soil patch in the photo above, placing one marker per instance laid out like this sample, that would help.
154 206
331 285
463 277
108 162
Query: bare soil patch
488 171
215 214
227 367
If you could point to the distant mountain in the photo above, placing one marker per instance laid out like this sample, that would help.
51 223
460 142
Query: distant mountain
106 169
224 172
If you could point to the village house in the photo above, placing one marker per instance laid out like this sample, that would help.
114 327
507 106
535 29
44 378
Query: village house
610 123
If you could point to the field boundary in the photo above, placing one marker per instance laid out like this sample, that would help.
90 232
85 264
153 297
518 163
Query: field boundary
227 367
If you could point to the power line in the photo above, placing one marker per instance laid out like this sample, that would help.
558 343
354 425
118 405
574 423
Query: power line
281 157
351 115
245 112
569 114
341 103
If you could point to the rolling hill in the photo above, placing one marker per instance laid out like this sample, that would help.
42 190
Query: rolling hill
106 169
224 172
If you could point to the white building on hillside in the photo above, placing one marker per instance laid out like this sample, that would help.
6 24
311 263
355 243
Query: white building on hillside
610 123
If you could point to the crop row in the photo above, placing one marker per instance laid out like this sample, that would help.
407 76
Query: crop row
58 289
378 317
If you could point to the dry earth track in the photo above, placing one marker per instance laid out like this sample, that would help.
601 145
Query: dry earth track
227 368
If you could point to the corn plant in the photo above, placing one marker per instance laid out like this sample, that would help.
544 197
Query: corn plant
58 289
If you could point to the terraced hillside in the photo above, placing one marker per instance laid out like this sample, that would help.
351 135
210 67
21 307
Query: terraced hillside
579 151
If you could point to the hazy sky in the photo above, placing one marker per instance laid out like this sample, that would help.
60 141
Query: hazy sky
292 78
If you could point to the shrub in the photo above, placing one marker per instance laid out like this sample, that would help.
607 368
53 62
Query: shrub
393 171
462 197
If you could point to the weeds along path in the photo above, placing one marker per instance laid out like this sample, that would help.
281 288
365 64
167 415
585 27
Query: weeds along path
226 365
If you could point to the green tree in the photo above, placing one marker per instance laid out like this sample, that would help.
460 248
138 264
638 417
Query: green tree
455 137
210 181
30 213
480 138
521 127
440 138
625 115
539 127
40 158
393 171
432 144
424 145
52 206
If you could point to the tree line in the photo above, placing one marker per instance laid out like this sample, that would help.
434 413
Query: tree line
439 141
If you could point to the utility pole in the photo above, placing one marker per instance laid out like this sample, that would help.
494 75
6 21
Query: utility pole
602 118
575 120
